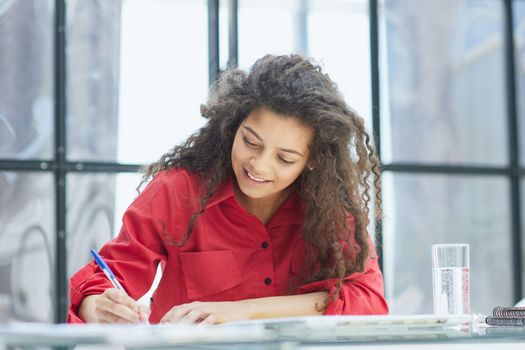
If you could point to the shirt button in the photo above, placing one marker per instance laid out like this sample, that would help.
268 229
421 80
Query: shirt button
267 280
264 245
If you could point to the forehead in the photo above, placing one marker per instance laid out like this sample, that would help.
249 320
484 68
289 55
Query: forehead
278 129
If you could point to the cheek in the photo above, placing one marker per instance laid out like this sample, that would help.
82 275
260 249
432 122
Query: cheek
290 175
236 151
238 154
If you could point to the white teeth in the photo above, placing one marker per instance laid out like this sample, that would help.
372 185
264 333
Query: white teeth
254 178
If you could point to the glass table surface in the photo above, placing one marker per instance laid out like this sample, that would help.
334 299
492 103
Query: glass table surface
289 333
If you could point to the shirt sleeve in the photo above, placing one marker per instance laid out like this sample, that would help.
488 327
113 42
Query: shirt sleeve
362 293
133 255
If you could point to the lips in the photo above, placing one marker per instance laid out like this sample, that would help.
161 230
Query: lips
254 178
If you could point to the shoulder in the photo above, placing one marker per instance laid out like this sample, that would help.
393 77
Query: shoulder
178 177
170 185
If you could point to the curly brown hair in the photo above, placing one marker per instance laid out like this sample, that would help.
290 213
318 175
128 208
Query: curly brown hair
342 157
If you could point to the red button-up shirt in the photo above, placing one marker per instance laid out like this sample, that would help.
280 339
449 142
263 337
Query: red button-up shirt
230 255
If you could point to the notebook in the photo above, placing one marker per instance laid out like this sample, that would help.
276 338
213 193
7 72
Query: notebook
507 316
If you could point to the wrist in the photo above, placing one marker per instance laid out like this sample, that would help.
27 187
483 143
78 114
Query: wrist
87 309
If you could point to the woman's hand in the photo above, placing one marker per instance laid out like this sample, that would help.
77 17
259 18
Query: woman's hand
207 312
112 306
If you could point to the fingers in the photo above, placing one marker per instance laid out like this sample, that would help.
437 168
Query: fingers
187 313
144 312
176 313
209 320
120 297
205 313
105 316
115 306
194 316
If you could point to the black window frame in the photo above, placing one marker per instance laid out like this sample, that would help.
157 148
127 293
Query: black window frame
513 172
60 166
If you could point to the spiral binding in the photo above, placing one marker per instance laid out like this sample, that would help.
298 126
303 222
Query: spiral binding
498 321
509 312
507 316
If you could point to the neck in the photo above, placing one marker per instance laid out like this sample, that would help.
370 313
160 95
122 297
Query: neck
262 208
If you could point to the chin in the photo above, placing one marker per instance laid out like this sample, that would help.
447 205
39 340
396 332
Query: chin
253 194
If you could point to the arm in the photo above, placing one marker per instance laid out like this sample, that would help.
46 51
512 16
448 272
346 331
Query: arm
268 307
133 255
362 293
286 306
112 306
134 262
86 310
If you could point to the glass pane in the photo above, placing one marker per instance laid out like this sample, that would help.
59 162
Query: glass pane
519 40
307 27
95 205
421 210
443 82
93 54
26 79
523 235
348 62
27 246
224 40
138 91
258 37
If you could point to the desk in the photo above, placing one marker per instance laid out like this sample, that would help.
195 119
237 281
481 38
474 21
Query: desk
321 333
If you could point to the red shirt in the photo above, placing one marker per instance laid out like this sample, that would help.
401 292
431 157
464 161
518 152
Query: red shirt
230 255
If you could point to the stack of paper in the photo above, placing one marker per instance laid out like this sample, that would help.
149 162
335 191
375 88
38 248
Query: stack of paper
367 328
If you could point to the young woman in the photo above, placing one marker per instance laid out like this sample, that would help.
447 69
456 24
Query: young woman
261 213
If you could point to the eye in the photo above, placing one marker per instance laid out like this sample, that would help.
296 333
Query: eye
250 144
285 162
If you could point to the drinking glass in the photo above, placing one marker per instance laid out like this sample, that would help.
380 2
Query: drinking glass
450 274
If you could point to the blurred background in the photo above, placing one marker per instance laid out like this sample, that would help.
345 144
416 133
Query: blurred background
92 89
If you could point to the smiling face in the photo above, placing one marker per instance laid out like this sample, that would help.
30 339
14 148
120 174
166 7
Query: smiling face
269 153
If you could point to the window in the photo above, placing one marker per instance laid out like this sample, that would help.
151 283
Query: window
448 108
445 142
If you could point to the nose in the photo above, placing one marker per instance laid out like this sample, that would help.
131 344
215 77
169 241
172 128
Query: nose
260 163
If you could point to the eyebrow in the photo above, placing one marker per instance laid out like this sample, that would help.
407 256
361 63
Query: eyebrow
260 139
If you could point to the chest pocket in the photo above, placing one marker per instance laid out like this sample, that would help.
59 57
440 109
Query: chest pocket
210 273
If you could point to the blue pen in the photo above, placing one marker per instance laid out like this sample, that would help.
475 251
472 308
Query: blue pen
110 275
107 271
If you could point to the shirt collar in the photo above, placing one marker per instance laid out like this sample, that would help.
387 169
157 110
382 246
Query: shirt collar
223 192
291 211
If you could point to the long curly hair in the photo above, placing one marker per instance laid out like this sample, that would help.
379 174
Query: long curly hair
344 166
